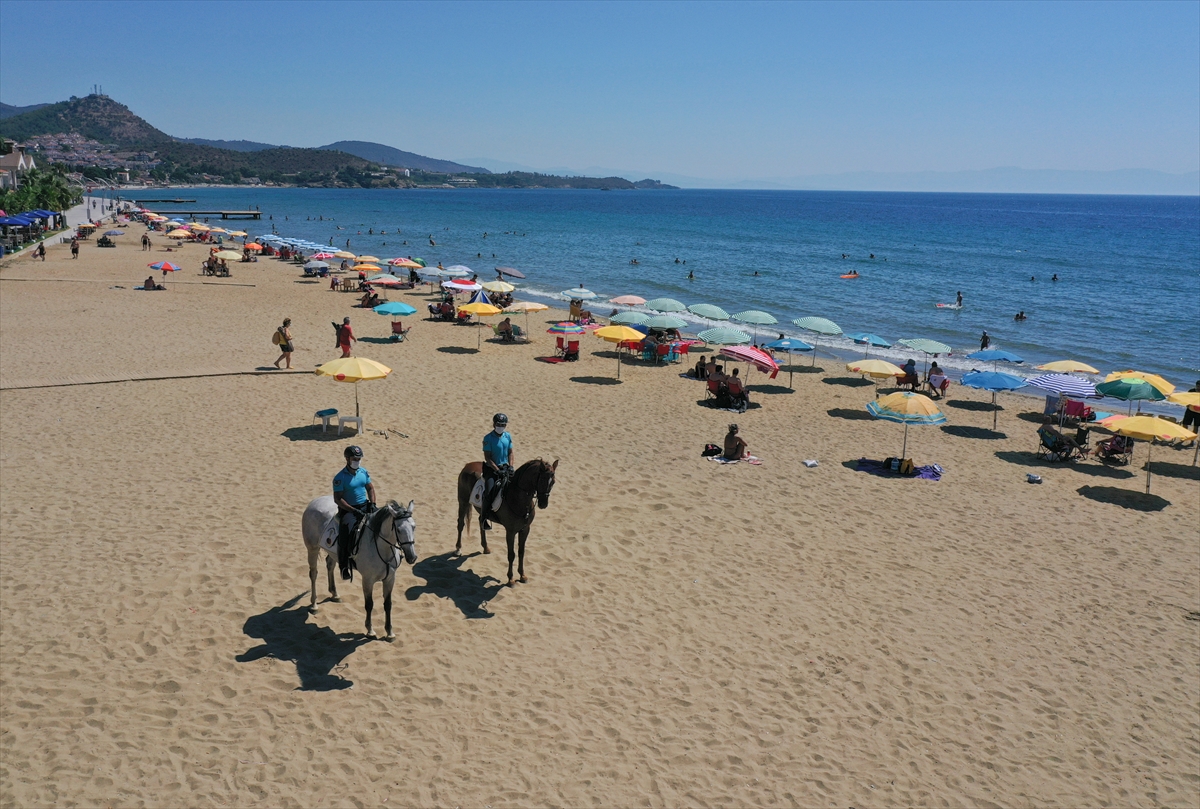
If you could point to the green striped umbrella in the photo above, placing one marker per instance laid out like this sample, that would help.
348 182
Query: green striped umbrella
725 336
819 325
755 317
709 311
665 305
926 347
665 322
630 318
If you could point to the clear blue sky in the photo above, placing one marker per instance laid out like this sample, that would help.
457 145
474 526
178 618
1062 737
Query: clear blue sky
704 89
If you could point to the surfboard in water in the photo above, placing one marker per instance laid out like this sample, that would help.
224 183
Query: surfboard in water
948 306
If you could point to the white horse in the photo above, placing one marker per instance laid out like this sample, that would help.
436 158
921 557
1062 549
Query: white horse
389 532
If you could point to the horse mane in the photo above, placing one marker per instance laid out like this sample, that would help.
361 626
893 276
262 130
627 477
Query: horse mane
390 508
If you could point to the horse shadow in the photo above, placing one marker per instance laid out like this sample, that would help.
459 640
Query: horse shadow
316 650
445 578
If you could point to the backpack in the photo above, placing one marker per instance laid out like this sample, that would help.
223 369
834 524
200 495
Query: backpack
711 449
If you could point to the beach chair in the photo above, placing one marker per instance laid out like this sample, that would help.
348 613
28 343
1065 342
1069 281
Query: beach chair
572 352
1116 450
1076 411
325 416
1054 447
560 349
399 332
712 390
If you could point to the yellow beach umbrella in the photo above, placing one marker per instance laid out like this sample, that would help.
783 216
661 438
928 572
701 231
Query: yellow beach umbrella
876 369
367 259
238 233
619 334
905 407
198 226
178 234
498 286
526 307
354 370
1068 367
227 255
218 230
366 268
407 264
343 254
1164 387
1149 428
1186 398
479 310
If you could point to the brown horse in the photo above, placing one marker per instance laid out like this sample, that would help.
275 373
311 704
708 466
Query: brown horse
534 479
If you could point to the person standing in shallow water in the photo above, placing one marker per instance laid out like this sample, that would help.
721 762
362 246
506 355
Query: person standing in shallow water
984 341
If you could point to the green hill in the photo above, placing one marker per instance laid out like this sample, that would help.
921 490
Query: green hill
101 119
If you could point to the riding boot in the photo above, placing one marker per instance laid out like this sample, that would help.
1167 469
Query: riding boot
344 552
485 507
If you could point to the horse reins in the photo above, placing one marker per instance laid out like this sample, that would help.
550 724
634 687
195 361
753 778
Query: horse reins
396 518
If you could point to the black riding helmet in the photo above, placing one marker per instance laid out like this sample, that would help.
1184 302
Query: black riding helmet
353 451
500 418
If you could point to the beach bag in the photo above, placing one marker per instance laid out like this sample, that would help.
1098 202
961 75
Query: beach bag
277 338
710 450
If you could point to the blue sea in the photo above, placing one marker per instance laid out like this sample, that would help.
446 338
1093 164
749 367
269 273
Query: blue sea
1127 294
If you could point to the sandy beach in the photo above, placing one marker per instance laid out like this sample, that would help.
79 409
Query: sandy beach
693 634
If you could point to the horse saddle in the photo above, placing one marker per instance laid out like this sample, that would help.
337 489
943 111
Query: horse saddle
477 496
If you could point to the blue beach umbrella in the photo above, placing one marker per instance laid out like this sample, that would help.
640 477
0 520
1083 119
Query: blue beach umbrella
994 355
867 339
114 233
993 381
790 345
394 309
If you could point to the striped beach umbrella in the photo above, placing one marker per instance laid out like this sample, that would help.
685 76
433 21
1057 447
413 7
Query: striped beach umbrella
665 305
819 325
566 327
707 310
905 407
165 266
725 336
665 322
630 318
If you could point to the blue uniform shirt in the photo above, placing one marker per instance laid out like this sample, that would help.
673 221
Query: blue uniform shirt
351 484
499 446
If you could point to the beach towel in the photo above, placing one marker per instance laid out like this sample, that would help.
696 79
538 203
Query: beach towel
883 470
750 459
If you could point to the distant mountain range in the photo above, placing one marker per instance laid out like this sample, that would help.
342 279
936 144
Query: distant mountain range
374 152
8 110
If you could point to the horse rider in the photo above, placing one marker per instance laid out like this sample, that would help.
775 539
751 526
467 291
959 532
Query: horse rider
355 497
497 463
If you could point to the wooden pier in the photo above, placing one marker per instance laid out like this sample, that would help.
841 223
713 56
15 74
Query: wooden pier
222 214
142 202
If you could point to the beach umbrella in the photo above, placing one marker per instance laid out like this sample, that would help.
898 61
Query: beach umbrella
342 254
1064 385
253 247
238 233
1131 389
754 356
479 309
321 255
218 230
394 309
926 347
498 286
994 382
363 267
1148 428
354 370
1163 386
1068 367
178 233
994 355
818 325
367 259
725 336
1188 398
459 270
386 281
509 271
788 344
628 300
630 318
165 266
114 233
867 339
618 334
526 307
227 255
665 305
876 369
461 286
906 408
566 327
452 272
316 265
665 321
707 310
406 263
579 294
756 318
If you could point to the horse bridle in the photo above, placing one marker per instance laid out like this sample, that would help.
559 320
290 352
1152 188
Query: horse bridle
399 515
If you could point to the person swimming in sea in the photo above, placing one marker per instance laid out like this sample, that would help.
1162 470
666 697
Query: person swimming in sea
633 261
1020 316
756 272
1054 277
691 276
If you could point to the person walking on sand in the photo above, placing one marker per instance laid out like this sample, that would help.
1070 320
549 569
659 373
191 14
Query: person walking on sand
283 339
40 251
74 248
145 241
345 337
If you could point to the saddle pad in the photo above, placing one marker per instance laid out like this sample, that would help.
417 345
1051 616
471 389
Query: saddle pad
329 535
477 496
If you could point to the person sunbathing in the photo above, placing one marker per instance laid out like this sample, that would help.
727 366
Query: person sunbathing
150 286
735 445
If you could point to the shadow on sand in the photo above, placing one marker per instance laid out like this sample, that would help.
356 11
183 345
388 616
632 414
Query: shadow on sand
770 390
1174 470
1086 468
848 381
596 380
964 431
1135 501
445 578
316 650
379 341
850 414
312 433
979 407
457 350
